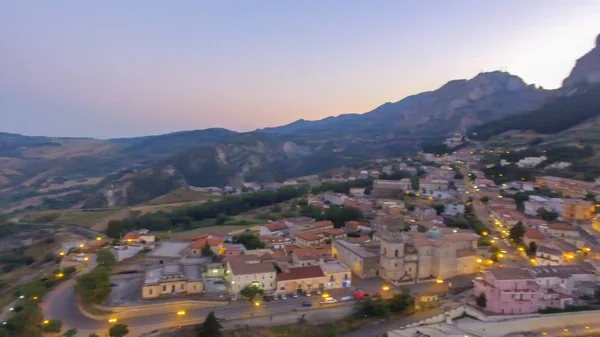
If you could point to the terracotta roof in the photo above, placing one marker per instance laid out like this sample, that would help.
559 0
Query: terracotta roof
330 232
275 226
131 236
290 248
510 274
299 273
321 224
191 237
248 265
212 242
303 252
562 226
352 224
534 234
308 236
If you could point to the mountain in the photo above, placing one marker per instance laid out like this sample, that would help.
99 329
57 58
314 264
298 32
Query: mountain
559 114
456 106
586 70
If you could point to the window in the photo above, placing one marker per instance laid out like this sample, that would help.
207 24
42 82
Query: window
164 288
396 253
181 287
150 291
194 287
331 278
345 276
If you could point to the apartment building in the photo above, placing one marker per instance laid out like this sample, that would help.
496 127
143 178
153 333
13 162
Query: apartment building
249 270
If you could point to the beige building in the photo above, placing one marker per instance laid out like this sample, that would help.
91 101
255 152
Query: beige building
298 279
414 256
337 275
172 279
248 270
362 259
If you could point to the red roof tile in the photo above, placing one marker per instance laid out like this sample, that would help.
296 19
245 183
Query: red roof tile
534 234
562 226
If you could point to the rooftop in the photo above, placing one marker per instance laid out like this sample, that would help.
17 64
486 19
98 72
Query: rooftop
299 273
332 267
534 234
358 249
169 249
308 236
562 226
248 265
510 274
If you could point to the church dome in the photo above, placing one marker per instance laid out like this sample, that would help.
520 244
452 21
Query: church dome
434 233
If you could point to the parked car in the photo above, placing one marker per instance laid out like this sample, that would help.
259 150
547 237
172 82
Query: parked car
267 298
307 304
283 297
319 292
328 300
295 295
359 295
346 298
308 294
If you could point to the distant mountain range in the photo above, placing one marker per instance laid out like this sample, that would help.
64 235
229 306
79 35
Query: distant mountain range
72 172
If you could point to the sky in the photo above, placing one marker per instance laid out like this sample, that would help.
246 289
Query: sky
104 69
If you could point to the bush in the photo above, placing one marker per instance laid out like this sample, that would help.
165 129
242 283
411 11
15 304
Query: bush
94 287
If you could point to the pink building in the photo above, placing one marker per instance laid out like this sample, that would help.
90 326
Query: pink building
509 291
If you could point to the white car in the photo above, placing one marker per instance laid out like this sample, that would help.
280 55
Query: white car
308 294
328 300
283 297
295 295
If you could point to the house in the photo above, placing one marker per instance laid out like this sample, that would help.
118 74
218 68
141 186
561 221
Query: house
508 291
533 235
334 198
172 279
507 217
303 257
141 236
300 279
577 210
230 249
549 256
562 229
362 259
215 244
358 226
357 191
274 228
248 270
337 275
298 221
390 188
276 242
311 239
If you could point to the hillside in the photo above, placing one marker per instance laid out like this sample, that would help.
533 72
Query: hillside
559 114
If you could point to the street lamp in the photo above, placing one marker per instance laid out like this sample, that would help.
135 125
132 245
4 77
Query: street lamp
99 238
181 312
81 245
62 254
46 321
112 320
257 304
439 281
385 288
59 275
86 258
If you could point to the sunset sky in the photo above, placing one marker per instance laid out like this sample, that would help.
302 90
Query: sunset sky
130 68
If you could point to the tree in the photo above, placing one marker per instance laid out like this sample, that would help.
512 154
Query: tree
414 183
482 300
250 292
589 196
439 208
206 251
368 190
516 233
249 240
339 215
93 335
484 199
70 333
401 302
53 326
118 330
106 258
370 308
31 289
115 229
546 214
94 287
532 249
210 327
221 219
520 198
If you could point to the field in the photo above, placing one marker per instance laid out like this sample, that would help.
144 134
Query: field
182 195
90 219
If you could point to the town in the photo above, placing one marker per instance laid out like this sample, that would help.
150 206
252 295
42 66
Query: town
433 227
